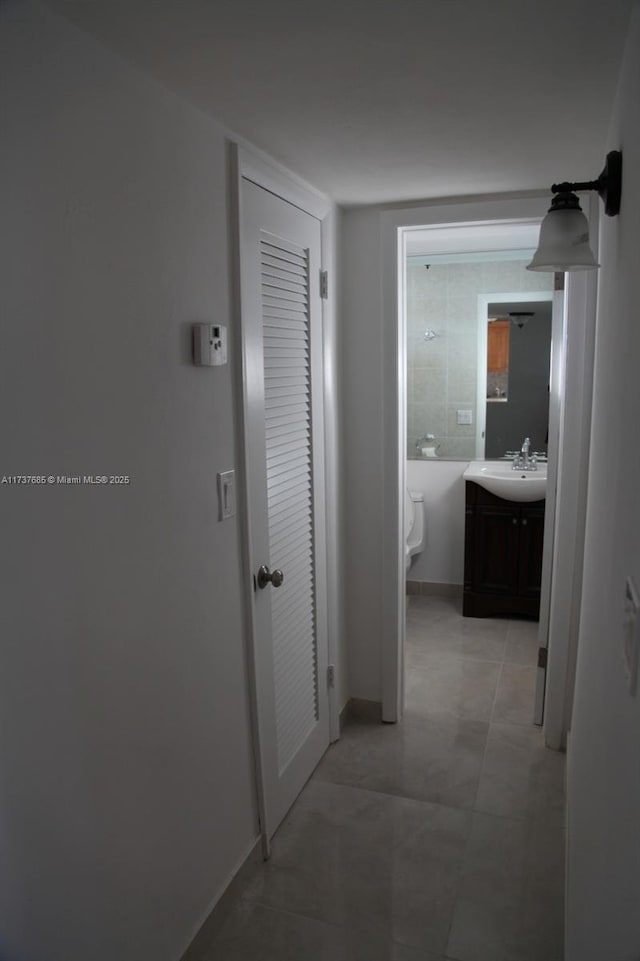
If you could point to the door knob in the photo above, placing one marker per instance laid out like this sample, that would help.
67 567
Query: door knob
265 576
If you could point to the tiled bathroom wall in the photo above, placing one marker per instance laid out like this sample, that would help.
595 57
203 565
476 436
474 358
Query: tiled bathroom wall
442 370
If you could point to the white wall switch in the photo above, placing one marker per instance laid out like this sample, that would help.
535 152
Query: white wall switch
209 345
631 632
226 494
465 417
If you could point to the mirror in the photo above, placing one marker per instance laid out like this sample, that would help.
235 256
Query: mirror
447 311
518 357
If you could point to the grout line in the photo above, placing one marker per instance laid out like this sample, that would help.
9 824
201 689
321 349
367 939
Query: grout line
403 797
495 697
455 657
486 743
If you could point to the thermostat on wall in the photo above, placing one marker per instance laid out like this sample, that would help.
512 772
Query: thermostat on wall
209 345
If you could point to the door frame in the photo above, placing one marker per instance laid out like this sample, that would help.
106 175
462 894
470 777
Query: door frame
392 226
574 445
392 223
250 165
554 453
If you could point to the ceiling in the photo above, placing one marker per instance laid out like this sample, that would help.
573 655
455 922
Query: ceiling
377 101
490 241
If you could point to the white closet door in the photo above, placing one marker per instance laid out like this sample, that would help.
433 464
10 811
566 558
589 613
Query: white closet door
282 345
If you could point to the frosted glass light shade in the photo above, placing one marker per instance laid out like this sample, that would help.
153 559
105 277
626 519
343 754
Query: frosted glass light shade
564 243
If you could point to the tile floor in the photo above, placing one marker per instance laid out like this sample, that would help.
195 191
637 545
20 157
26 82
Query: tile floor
438 838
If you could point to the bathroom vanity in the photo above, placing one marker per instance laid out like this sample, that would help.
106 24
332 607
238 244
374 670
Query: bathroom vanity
502 553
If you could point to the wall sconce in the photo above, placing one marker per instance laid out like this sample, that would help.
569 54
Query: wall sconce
564 233
520 317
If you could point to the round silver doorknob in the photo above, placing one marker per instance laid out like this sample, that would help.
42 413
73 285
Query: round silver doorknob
265 576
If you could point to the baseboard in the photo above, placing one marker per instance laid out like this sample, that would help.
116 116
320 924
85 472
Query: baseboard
343 717
198 948
434 588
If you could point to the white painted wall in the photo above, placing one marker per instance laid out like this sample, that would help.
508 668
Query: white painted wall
442 484
126 788
604 753
362 345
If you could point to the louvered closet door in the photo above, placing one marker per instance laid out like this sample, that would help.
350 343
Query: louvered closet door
281 317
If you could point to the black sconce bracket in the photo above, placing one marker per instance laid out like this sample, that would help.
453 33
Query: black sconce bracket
608 185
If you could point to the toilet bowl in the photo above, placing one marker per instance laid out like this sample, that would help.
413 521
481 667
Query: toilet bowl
414 525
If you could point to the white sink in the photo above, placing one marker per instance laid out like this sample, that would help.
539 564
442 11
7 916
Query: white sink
500 479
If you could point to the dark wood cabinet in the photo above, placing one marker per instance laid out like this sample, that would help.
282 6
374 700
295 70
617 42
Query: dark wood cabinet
503 555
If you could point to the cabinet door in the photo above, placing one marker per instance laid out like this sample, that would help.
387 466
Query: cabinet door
498 346
496 550
530 551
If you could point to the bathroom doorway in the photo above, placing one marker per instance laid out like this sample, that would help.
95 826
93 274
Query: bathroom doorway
503 215
460 341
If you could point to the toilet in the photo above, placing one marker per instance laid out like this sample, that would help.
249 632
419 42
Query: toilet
414 525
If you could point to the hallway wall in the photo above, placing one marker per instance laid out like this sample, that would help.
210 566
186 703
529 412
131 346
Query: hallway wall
127 789
604 748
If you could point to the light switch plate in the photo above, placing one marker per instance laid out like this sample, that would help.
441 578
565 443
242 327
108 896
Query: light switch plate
631 634
226 494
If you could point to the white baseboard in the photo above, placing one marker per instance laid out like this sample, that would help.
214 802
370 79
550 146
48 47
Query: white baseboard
220 905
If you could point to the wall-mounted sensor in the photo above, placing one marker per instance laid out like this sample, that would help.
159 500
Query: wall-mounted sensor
209 345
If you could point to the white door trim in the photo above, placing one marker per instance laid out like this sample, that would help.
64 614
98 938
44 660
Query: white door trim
554 451
279 181
259 170
571 502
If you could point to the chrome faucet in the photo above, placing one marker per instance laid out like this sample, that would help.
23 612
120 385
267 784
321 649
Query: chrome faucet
522 461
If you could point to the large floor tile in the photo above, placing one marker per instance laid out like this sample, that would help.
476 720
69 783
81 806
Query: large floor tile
435 759
522 643
509 794
434 604
443 617
461 687
424 641
385 865
512 932
515 696
254 932
510 906
439 628
520 776
437 839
